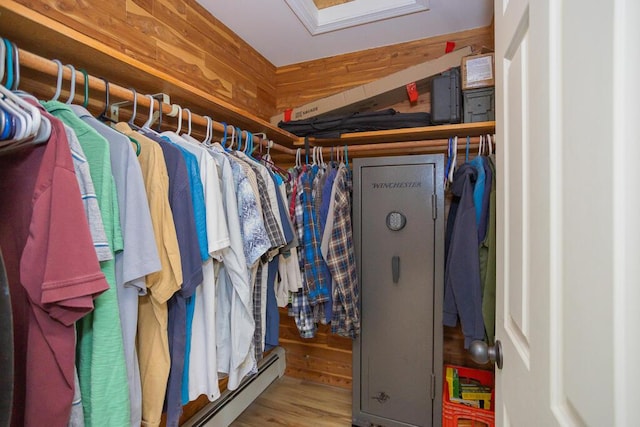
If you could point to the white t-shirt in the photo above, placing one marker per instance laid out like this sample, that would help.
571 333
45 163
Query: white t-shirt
234 318
203 366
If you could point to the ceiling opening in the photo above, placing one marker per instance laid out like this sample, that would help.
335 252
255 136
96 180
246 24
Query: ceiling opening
322 16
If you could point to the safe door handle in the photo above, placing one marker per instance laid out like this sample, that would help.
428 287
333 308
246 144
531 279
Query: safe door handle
395 268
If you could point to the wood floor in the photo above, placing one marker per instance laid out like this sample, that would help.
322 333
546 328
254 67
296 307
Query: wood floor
297 403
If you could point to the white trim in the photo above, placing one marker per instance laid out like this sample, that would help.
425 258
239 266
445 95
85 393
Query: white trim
352 13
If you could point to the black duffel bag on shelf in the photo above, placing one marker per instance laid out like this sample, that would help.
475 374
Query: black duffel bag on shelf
334 126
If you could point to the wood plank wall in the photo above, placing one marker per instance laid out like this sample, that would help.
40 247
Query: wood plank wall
178 37
304 82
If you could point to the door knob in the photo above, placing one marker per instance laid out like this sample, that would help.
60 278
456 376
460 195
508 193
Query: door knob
482 354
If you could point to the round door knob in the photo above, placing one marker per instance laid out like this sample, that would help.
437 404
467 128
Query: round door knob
482 354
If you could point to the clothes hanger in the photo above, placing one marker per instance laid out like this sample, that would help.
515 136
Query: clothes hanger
85 101
21 121
158 128
8 58
223 142
3 51
248 143
103 115
454 157
179 125
72 90
232 140
207 139
238 139
135 109
147 123
41 126
189 122
16 66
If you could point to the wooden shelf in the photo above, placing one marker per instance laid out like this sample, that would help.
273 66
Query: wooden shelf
48 38
427 133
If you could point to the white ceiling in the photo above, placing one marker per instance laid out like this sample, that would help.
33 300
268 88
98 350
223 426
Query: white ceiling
272 28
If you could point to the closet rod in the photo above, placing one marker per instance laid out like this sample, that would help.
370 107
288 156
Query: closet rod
47 66
388 146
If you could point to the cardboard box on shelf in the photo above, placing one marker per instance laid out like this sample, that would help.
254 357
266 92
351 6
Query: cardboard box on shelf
377 94
478 71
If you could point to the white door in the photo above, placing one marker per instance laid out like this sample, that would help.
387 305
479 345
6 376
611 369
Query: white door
568 293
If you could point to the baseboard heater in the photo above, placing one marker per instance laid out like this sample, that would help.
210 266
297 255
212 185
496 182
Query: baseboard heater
231 404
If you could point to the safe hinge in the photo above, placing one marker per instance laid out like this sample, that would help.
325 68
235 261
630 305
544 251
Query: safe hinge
434 206
433 386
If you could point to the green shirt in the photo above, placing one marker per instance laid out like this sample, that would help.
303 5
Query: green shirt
100 350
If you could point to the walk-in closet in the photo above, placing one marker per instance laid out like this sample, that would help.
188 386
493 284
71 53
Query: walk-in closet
319 213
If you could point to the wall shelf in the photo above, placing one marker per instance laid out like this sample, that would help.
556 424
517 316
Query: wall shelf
427 133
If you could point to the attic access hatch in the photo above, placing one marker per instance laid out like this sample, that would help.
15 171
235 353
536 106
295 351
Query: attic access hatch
319 20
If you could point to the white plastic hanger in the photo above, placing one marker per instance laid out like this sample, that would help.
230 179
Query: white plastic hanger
454 158
147 124
72 90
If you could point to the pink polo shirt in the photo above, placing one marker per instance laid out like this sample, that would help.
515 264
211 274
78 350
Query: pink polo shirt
53 275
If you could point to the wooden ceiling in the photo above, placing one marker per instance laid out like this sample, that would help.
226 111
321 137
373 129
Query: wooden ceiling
323 4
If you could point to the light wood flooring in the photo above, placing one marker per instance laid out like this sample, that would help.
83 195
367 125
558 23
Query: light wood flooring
297 403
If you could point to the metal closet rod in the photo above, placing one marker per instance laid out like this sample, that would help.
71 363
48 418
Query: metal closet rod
47 66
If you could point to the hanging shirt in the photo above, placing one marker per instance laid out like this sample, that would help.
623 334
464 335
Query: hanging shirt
89 198
139 256
478 188
234 320
314 265
487 256
484 208
183 218
44 227
462 294
289 276
101 363
342 262
202 369
152 340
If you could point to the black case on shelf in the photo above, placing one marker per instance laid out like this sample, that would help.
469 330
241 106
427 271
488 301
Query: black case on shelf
334 126
446 97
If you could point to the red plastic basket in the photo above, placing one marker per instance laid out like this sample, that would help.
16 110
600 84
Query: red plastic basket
456 414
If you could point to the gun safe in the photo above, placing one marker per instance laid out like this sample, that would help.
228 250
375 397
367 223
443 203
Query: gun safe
398 212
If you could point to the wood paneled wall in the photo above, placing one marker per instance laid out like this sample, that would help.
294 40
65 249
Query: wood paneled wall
178 37
324 359
301 83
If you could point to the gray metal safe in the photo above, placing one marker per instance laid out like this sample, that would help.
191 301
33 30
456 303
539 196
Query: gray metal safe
398 217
